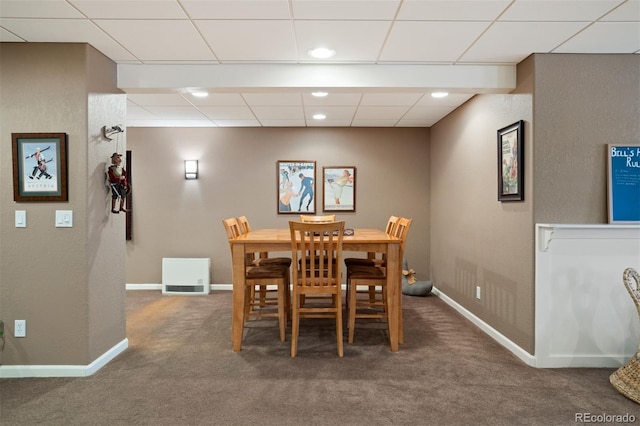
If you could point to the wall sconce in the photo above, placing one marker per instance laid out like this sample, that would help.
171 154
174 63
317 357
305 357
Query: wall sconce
191 169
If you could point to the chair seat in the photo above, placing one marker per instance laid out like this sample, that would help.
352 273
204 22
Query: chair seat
359 271
358 261
270 261
272 271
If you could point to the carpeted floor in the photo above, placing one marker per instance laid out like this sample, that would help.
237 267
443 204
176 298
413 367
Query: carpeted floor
180 370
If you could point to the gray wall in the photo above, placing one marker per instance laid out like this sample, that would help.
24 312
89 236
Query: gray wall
173 217
62 281
69 284
573 106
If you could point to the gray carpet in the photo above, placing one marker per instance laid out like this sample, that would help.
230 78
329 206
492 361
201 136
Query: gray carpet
180 370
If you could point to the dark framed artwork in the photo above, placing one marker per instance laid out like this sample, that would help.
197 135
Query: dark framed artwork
39 166
510 162
339 189
296 182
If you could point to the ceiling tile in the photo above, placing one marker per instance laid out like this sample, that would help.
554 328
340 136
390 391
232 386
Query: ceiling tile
378 122
380 113
278 112
397 99
345 9
250 40
598 38
448 10
228 112
430 41
558 10
283 123
153 99
163 40
510 42
258 99
355 41
627 11
333 98
170 123
237 9
332 112
453 99
66 31
32 9
425 113
237 123
175 112
130 9
220 99
5 35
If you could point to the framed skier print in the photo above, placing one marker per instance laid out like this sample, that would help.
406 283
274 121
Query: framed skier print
296 187
39 166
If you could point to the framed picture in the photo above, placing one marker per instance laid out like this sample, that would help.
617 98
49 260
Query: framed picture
39 166
339 189
510 162
296 187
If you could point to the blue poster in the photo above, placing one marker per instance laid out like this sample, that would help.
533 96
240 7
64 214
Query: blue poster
624 183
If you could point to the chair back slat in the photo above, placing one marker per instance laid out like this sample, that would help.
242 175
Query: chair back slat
305 218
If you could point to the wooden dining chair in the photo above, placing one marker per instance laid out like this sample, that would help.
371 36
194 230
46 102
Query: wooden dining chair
372 259
262 259
372 277
314 276
274 275
305 218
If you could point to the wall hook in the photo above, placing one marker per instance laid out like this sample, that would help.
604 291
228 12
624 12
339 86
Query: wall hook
108 131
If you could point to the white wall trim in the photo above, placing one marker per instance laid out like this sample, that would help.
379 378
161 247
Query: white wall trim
21 371
523 355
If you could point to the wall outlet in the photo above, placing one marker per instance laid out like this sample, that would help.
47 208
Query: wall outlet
20 328
478 292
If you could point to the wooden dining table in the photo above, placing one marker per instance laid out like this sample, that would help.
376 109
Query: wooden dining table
279 240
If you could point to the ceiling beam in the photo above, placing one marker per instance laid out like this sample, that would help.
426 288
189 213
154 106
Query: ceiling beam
135 78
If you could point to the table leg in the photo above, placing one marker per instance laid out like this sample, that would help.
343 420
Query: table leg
237 322
393 293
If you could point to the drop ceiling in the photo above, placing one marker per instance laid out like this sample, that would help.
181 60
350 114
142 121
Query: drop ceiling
251 56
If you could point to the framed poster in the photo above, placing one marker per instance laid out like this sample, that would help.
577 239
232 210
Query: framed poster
296 187
623 183
510 162
339 189
39 166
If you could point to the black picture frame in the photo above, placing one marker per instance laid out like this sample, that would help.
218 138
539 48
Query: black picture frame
339 189
295 194
511 162
39 167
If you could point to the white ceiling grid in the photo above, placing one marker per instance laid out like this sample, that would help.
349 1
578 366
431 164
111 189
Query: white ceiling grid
251 55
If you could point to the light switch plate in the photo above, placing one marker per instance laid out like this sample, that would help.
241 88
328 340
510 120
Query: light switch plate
21 218
64 218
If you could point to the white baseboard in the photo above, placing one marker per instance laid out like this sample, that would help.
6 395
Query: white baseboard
523 355
20 371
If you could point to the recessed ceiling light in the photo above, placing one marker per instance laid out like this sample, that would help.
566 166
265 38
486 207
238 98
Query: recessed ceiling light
319 94
319 116
439 94
200 94
321 53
